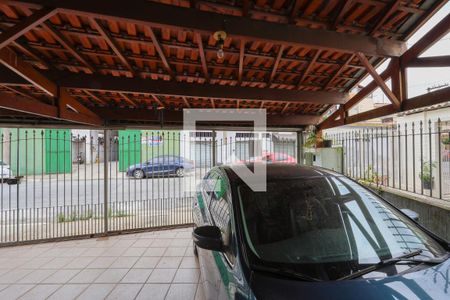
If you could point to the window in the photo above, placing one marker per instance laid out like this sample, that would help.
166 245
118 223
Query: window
219 208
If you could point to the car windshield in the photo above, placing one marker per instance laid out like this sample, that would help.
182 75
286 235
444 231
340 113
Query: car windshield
326 227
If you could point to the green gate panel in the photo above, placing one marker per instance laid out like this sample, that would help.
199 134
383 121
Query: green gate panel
129 148
57 151
22 148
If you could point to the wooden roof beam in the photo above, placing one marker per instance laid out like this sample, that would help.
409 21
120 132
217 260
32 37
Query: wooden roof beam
430 62
391 8
275 65
112 44
371 70
160 51
148 13
339 71
158 101
428 40
241 60
9 59
202 56
92 95
27 105
127 99
308 68
170 88
67 44
186 102
25 25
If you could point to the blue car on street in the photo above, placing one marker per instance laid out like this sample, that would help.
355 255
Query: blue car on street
165 165
313 234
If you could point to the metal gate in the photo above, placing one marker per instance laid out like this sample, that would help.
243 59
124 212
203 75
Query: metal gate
67 183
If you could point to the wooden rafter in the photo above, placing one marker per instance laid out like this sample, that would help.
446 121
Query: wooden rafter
158 101
294 11
275 65
202 56
186 102
241 60
341 12
371 70
308 68
160 51
339 71
246 7
285 107
92 95
25 25
67 44
213 104
112 44
391 8
430 62
9 59
27 105
128 99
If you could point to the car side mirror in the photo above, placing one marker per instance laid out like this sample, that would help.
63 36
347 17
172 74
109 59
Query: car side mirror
208 237
411 214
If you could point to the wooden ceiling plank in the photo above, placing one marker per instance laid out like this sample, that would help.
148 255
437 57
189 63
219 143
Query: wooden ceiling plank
371 70
112 44
25 25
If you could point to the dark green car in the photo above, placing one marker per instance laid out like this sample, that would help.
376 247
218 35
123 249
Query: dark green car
312 235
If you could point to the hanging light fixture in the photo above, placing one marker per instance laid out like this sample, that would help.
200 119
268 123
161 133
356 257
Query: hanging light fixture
220 37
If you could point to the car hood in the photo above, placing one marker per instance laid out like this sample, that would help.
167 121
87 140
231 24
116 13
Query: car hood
429 283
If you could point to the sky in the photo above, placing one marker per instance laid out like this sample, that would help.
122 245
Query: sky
419 79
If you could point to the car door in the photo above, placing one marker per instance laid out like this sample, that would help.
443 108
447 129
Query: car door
218 267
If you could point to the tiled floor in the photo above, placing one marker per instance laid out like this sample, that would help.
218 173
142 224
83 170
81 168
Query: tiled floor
151 265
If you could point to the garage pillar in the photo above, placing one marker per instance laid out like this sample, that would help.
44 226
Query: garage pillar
300 147
213 149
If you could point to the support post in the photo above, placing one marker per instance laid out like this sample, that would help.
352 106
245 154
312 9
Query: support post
105 179
300 147
214 158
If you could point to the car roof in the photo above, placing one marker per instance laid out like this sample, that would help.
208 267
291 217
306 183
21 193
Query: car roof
287 171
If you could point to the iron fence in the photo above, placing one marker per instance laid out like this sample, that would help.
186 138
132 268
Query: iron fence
411 156
59 183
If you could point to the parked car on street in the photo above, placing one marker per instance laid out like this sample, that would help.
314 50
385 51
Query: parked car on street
160 166
313 234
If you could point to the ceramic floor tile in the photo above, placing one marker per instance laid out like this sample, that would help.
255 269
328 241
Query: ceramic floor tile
68 292
154 291
124 291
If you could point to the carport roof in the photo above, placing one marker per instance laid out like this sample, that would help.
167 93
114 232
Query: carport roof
81 61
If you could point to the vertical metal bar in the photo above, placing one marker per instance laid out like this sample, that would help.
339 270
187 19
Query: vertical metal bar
105 180
393 155
399 150
439 157
214 159
406 157
431 157
421 157
17 185
413 156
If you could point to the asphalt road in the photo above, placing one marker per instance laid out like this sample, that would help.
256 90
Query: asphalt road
51 191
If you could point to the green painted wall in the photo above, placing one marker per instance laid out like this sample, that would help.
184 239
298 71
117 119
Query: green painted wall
57 151
138 146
